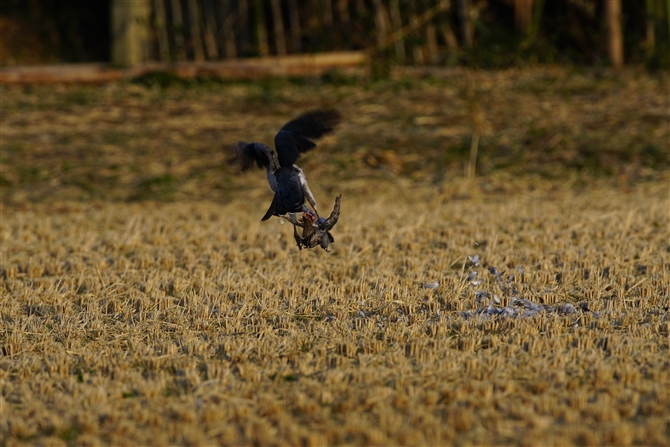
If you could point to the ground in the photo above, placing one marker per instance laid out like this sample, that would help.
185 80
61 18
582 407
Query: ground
143 301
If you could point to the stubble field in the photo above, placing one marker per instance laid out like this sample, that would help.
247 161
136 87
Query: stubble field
144 303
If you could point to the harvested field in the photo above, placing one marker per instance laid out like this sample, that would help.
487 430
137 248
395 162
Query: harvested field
143 302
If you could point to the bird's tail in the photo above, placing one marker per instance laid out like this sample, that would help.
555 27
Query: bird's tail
271 210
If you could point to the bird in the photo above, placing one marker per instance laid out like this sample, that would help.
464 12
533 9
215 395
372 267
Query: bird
315 231
287 179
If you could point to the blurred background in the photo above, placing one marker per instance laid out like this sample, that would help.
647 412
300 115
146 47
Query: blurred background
479 33
430 91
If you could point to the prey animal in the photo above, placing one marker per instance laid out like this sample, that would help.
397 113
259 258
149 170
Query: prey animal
315 230
287 179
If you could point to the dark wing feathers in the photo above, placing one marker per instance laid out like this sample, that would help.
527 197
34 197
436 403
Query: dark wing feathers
335 215
298 135
250 153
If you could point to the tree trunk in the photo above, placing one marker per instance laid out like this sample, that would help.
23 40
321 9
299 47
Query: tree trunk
130 31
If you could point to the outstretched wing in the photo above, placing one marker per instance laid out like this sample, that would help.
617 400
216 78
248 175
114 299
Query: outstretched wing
299 135
250 153
335 215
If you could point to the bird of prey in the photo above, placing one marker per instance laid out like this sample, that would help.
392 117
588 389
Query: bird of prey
286 179
315 230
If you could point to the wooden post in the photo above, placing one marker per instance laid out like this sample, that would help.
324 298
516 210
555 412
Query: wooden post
130 31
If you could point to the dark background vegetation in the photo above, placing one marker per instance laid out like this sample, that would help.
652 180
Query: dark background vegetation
572 31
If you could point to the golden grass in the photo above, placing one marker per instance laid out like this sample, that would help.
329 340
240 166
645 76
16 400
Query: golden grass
195 323
142 301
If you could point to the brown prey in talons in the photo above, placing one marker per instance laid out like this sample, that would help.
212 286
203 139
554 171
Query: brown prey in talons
315 230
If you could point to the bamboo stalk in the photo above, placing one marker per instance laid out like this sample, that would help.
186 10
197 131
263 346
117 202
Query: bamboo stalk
227 33
431 44
417 50
186 29
278 22
445 30
193 23
380 21
174 23
244 27
416 23
341 24
327 13
294 21
343 11
650 38
161 30
261 32
130 32
466 27
361 10
523 11
396 21
208 27
615 39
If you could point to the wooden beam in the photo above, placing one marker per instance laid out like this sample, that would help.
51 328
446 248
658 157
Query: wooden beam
353 62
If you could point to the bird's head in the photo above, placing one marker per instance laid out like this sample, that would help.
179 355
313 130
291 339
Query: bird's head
309 217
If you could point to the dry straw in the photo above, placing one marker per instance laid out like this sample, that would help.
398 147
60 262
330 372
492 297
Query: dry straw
196 324
508 311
